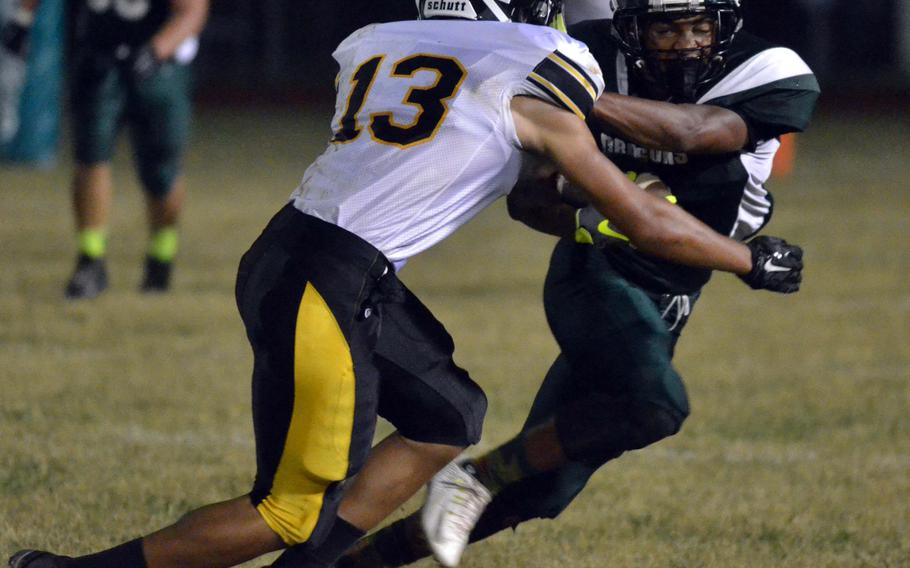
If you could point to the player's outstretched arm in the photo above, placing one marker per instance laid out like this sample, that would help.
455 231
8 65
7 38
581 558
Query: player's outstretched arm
690 128
187 20
652 224
536 202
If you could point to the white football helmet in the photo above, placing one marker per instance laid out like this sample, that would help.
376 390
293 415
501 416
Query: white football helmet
541 12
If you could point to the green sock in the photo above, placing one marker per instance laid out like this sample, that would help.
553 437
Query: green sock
504 465
92 242
163 244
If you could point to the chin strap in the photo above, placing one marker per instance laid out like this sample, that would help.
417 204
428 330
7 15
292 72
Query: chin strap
678 80
683 78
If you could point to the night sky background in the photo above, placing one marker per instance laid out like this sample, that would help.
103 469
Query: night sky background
281 48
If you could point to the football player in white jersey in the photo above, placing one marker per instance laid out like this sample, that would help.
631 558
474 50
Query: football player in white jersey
433 120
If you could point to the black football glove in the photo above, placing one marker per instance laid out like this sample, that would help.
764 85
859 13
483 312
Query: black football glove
145 63
14 33
776 265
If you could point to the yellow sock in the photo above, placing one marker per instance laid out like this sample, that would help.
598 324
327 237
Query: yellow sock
92 242
163 244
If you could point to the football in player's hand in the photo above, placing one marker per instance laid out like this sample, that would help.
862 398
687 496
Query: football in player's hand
575 196
592 228
569 193
651 184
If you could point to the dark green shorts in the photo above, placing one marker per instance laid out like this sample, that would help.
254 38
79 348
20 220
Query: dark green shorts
105 96
617 338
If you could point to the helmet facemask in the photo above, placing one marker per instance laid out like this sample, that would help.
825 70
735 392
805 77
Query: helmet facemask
671 73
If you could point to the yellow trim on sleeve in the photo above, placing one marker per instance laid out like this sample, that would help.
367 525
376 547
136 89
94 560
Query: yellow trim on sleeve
574 72
556 91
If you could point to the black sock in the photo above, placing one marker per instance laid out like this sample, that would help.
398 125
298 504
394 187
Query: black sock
499 515
402 542
342 536
504 465
127 555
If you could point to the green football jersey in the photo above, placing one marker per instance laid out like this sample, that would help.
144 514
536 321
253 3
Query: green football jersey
110 24
774 92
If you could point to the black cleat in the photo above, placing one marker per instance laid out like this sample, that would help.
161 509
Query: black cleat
157 276
37 559
89 279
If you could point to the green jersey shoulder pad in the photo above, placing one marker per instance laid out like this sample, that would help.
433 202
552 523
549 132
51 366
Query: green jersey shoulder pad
774 90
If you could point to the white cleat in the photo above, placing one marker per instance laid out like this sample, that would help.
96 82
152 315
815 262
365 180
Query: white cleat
455 501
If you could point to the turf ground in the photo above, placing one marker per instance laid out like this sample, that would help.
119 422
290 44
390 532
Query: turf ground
118 415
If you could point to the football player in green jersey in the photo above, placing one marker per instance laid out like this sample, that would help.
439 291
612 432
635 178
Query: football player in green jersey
130 65
710 103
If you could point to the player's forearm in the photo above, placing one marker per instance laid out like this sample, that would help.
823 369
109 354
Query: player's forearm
559 223
553 218
672 234
652 224
187 20
699 129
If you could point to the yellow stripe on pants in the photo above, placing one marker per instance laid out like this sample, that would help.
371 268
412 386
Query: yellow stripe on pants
319 438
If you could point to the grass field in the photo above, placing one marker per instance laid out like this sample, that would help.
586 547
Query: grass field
118 415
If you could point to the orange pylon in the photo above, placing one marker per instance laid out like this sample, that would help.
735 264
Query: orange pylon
785 157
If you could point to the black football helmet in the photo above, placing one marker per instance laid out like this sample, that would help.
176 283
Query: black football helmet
679 77
541 12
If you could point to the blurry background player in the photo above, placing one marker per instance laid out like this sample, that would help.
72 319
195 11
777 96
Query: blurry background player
13 50
440 114
615 311
129 65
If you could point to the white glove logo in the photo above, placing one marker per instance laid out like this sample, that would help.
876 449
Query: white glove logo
771 267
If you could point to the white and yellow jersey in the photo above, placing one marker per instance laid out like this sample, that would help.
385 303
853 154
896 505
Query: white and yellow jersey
423 133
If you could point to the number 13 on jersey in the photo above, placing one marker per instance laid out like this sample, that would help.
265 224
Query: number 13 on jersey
431 101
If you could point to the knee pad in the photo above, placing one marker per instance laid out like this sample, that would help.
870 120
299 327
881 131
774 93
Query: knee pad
159 175
443 407
600 428
656 423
